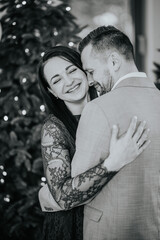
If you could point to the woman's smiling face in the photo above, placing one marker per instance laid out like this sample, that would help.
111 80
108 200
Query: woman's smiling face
66 81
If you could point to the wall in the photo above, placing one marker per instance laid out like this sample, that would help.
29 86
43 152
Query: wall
152 34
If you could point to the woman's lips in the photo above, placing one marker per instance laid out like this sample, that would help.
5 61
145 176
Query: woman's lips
73 88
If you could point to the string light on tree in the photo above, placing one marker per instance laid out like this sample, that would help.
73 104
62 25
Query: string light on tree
42 108
14 23
24 112
18 5
14 37
16 98
68 9
43 179
55 33
27 51
24 80
42 54
1 167
24 2
7 198
71 44
49 2
1 180
7 20
37 33
5 118
4 173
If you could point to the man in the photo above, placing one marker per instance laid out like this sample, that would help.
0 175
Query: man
128 207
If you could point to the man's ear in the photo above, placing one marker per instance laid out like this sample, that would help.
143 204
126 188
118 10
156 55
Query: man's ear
116 61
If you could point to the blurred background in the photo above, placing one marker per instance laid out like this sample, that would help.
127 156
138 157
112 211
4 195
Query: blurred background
27 29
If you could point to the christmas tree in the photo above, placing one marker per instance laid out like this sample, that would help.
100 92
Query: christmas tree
29 28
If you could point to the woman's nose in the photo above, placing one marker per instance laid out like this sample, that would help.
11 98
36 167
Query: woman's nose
68 80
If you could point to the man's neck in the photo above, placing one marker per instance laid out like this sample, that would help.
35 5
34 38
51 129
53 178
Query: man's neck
126 69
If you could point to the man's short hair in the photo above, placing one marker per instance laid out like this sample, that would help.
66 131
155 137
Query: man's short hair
109 37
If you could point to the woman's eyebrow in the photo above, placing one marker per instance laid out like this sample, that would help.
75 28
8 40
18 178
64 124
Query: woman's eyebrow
54 76
69 67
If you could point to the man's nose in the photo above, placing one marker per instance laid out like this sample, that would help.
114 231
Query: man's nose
90 80
91 83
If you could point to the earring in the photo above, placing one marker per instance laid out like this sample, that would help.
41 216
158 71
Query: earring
91 83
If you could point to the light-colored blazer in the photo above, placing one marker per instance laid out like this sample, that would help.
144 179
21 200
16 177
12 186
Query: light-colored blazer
128 207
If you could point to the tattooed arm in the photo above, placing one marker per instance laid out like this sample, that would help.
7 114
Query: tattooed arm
68 192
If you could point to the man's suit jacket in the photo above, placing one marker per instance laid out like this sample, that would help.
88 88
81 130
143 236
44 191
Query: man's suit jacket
128 207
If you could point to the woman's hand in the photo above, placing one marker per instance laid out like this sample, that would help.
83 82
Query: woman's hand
125 149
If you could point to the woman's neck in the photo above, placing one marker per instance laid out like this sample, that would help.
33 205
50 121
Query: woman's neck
76 108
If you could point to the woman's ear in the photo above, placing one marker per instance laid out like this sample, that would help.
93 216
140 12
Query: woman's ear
116 61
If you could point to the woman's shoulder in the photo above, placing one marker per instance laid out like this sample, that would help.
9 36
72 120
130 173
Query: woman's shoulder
54 130
52 120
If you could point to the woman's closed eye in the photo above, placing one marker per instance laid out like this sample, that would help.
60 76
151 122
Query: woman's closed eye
56 80
71 70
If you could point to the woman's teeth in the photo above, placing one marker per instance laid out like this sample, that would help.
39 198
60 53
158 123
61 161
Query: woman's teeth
74 88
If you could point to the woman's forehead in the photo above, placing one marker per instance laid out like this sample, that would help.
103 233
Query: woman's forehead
55 65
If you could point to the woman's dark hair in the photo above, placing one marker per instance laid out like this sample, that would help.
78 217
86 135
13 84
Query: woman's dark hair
54 105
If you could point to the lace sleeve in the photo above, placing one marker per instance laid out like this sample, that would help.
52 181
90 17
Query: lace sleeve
68 192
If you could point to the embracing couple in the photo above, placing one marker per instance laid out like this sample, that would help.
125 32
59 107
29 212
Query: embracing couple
103 176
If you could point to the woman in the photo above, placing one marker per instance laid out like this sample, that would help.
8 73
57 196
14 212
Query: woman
65 90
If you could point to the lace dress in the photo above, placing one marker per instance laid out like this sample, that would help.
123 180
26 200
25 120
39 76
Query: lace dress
57 150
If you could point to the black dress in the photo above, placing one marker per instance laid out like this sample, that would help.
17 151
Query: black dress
57 150
63 225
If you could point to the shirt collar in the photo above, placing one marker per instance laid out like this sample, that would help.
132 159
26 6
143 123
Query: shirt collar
129 75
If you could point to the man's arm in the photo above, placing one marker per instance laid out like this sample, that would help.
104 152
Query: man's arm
92 139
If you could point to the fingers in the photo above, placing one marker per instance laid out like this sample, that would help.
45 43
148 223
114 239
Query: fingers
132 127
143 137
144 146
114 134
139 131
